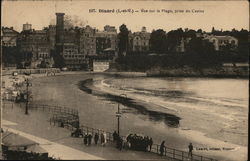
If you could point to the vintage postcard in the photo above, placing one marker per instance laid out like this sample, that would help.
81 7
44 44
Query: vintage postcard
124 80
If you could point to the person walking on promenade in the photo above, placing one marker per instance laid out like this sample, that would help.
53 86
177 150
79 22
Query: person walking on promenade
85 139
120 141
150 143
190 147
105 138
115 136
162 147
89 139
96 138
102 139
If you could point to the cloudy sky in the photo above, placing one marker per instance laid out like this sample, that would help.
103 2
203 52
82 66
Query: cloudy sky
224 15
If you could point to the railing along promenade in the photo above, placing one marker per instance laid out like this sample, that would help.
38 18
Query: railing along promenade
69 117
30 71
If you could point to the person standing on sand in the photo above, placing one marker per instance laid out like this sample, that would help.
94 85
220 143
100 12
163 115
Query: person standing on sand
162 147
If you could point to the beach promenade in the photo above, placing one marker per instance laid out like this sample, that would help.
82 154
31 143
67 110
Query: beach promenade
58 142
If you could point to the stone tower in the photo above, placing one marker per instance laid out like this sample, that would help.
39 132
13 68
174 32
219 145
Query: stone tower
59 28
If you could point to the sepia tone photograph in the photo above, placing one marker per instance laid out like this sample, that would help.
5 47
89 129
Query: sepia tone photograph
124 80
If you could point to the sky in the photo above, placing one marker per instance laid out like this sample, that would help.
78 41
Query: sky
224 15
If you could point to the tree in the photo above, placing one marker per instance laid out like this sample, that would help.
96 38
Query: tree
58 59
190 33
11 55
213 30
199 30
123 40
157 41
174 38
201 53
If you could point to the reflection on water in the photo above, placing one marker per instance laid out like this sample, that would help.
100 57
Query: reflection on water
165 93
170 119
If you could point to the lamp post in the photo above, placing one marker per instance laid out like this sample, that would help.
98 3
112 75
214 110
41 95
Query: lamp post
118 115
27 82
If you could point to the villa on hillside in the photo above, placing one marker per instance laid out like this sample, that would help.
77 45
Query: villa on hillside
220 42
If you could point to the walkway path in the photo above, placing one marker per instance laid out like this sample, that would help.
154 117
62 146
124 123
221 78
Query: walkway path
55 149
57 141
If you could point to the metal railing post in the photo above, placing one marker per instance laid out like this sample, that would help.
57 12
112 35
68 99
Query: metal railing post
109 137
174 153
55 121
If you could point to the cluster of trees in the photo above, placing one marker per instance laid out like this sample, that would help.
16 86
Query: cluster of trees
198 53
10 55
13 56
162 42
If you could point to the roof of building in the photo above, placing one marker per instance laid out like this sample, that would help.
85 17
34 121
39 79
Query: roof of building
142 34
40 31
104 33
8 30
108 49
223 37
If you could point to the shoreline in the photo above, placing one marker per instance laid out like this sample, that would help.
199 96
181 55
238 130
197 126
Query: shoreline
161 73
